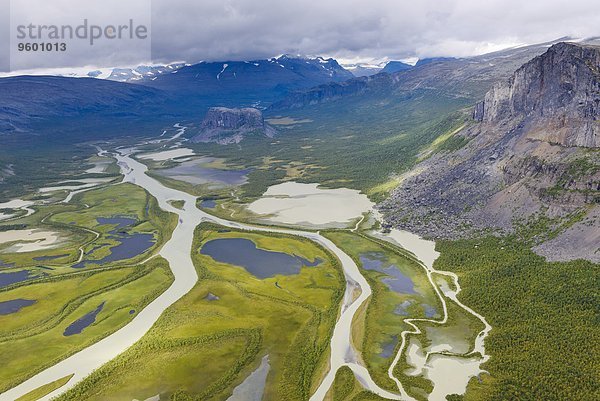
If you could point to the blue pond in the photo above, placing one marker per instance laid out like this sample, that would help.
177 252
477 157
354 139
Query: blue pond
208 203
7 279
402 309
430 311
396 280
259 262
388 348
80 324
130 244
14 305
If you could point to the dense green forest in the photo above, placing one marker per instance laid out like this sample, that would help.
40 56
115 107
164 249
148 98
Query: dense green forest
545 341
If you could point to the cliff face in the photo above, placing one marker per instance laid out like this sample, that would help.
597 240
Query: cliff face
532 152
224 125
558 92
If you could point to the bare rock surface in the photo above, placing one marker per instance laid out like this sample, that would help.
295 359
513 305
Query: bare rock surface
532 153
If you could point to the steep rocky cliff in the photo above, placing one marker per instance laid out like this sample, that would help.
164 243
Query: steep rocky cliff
558 93
531 156
224 125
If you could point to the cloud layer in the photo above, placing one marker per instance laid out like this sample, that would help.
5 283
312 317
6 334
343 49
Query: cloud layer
397 29
194 30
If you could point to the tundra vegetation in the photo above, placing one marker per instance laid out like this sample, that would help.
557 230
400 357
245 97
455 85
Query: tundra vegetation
33 337
208 342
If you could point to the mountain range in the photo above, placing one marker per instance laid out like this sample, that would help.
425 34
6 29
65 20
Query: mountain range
177 90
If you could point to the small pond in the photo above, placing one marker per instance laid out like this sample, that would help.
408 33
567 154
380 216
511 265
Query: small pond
402 309
259 262
430 311
211 297
80 324
130 244
253 387
208 203
7 279
14 305
387 350
396 280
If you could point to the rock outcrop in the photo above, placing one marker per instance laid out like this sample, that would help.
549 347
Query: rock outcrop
224 125
531 154
558 92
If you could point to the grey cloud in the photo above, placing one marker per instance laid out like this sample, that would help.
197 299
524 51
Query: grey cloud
194 30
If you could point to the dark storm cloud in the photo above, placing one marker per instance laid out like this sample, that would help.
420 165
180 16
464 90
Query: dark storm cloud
194 30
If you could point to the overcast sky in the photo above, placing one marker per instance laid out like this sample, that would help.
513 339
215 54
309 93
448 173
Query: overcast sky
361 30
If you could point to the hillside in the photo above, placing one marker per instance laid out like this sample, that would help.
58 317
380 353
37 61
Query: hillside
529 163
28 101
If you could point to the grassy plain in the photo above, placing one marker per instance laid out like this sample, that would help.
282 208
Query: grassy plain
347 143
381 326
32 338
78 228
45 389
200 349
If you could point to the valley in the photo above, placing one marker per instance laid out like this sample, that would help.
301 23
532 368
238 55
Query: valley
426 233
216 287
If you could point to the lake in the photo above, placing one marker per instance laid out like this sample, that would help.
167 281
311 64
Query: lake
14 305
10 278
198 172
253 387
208 203
167 154
259 262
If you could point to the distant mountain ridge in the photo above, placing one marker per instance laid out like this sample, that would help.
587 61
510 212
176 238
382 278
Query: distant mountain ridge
257 80
141 73
26 101
395 66
179 90
469 78
363 69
